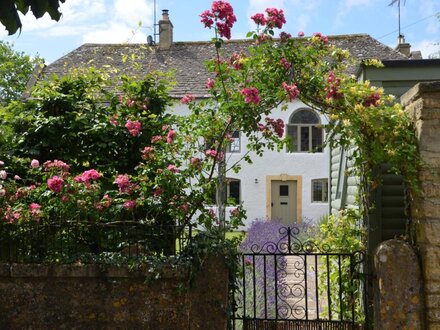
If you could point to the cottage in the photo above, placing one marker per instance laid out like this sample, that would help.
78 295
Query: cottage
291 185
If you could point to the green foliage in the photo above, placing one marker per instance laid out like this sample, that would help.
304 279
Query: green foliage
342 233
9 11
15 70
77 111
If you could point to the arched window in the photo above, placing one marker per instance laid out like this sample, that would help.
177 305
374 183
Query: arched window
305 131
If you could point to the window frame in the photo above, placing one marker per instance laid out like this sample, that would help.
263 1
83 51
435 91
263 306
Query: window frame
324 190
299 128
236 140
213 201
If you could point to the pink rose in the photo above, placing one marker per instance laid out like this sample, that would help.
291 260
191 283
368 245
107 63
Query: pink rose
251 95
300 34
210 83
130 204
292 91
187 99
3 175
55 184
35 163
173 168
134 127
170 136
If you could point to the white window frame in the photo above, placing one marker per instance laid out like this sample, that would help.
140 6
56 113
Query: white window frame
235 145
324 190
299 128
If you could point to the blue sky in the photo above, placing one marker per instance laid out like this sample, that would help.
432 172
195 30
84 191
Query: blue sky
115 21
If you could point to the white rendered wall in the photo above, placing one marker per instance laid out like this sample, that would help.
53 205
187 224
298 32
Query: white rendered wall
308 166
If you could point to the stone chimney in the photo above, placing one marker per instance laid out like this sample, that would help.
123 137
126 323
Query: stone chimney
165 31
402 46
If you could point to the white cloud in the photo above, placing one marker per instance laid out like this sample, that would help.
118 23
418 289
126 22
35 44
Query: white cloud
114 33
427 47
97 21
73 16
133 11
122 24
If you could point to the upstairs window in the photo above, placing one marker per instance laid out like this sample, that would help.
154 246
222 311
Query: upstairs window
234 144
304 129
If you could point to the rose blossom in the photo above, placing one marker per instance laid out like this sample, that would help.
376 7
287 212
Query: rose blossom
2 192
170 136
210 83
173 168
128 205
251 95
55 184
187 99
35 163
3 175
134 127
292 91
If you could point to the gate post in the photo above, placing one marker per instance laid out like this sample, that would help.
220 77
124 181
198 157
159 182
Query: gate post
422 102
398 287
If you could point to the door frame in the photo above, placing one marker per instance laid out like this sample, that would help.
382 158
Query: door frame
284 177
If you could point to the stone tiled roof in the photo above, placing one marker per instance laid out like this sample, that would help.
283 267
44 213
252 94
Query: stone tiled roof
187 58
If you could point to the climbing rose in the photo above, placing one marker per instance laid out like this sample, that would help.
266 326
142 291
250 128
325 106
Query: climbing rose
173 168
157 192
3 175
300 34
55 183
373 99
2 192
210 83
123 182
187 99
56 164
196 162
35 163
285 36
134 127
34 209
128 205
170 136
251 95
285 64
259 19
319 37
292 91
214 154
148 153
275 18
222 14
87 176
156 139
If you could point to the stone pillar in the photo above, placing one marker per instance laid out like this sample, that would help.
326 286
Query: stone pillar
398 302
422 102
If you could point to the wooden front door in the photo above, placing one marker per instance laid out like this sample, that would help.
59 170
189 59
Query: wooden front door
284 201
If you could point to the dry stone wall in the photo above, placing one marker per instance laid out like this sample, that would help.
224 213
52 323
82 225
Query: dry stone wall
109 297
422 102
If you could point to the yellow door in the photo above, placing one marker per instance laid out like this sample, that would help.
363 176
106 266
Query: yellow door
283 203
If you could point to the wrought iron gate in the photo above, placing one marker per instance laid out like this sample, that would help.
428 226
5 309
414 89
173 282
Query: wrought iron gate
289 284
